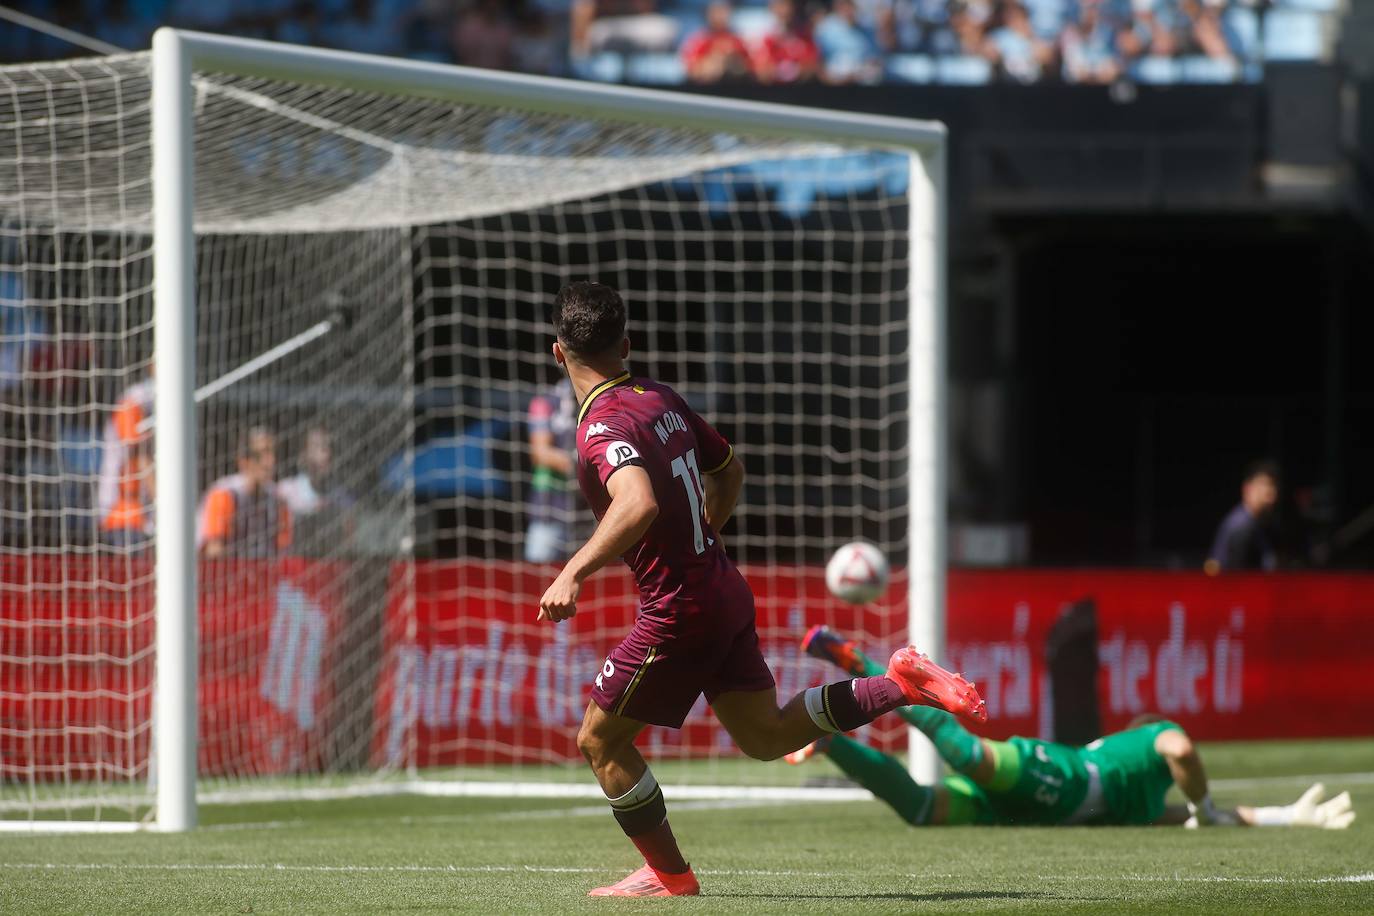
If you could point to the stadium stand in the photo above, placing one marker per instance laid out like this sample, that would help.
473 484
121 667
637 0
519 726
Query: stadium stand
957 42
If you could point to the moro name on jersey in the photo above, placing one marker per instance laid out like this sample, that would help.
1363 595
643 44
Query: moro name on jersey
671 422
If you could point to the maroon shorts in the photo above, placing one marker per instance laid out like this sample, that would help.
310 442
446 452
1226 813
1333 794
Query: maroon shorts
666 661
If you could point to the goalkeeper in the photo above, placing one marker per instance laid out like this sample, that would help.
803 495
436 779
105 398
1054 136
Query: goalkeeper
1121 778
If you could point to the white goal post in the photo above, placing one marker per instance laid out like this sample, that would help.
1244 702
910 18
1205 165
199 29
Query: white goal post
178 61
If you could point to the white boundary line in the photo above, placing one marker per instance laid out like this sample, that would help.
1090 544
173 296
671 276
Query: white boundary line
1361 878
436 788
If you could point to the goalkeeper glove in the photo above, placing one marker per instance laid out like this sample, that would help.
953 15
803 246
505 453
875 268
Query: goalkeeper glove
1206 814
1309 811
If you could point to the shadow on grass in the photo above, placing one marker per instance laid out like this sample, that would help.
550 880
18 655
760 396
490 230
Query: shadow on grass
932 897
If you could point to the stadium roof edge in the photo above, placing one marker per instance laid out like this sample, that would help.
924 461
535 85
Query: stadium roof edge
551 95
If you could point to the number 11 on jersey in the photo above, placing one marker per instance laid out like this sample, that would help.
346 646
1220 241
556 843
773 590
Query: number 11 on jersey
691 482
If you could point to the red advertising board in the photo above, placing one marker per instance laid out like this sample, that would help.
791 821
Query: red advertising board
468 675
77 664
474 678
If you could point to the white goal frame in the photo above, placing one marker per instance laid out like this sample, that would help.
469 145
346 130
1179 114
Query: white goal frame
177 55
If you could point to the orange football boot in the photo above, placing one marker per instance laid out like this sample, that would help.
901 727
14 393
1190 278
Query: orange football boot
646 882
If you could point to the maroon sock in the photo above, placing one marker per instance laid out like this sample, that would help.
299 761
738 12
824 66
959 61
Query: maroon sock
860 701
659 849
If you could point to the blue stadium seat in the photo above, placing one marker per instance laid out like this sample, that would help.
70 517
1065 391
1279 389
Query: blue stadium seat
1155 70
910 68
1318 6
1293 35
751 23
964 70
1208 70
604 68
655 69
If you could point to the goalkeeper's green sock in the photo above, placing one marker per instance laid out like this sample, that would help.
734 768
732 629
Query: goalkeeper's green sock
956 745
885 777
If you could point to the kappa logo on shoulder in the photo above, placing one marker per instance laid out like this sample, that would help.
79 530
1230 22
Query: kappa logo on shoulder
596 429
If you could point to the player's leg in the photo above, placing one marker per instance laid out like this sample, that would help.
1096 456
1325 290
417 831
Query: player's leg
964 751
954 801
640 683
743 696
888 780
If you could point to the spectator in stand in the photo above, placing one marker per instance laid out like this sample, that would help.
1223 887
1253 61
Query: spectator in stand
363 28
483 36
1019 53
850 51
620 26
1245 539
535 47
125 491
967 32
242 515
786 53
1208 34
1088 47
716 53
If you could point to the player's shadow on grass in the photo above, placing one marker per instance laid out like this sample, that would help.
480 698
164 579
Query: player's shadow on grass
930 897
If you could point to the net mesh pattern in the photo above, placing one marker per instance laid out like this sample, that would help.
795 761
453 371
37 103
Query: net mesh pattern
374 276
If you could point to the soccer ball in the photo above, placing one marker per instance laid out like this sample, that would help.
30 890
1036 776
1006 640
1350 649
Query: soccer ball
857 573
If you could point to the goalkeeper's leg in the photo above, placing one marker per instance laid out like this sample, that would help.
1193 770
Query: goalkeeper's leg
964 751
954 801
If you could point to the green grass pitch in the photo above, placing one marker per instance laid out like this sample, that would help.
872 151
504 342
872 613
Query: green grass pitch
415 855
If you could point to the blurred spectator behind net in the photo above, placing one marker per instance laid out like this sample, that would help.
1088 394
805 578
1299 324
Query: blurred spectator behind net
1246 538
553 433
716 53
320 506
126 488
242 515
787 52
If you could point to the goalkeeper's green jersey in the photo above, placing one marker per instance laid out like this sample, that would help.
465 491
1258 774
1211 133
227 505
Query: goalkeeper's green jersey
1117 779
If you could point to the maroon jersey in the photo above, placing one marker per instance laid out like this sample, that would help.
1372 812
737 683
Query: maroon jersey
632 421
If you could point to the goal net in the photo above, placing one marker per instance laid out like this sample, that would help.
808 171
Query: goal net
380 497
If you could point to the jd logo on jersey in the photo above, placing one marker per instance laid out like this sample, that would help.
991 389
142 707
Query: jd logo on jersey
617 453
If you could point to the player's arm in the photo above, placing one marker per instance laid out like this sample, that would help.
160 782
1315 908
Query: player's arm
544 454
722 491
632 510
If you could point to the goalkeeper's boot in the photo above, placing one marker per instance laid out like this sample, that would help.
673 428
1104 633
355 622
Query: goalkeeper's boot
647 882
803 754
829 646
927 684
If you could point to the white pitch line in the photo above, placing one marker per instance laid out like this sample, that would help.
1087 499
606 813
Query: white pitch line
1361 878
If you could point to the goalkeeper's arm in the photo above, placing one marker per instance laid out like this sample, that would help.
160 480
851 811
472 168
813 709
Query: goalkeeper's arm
1308 811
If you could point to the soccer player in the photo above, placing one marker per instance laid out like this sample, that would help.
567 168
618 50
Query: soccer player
1121 778
552 422
662 482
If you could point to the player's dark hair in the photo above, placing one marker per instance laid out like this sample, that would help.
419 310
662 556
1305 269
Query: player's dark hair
589 318
1262 468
